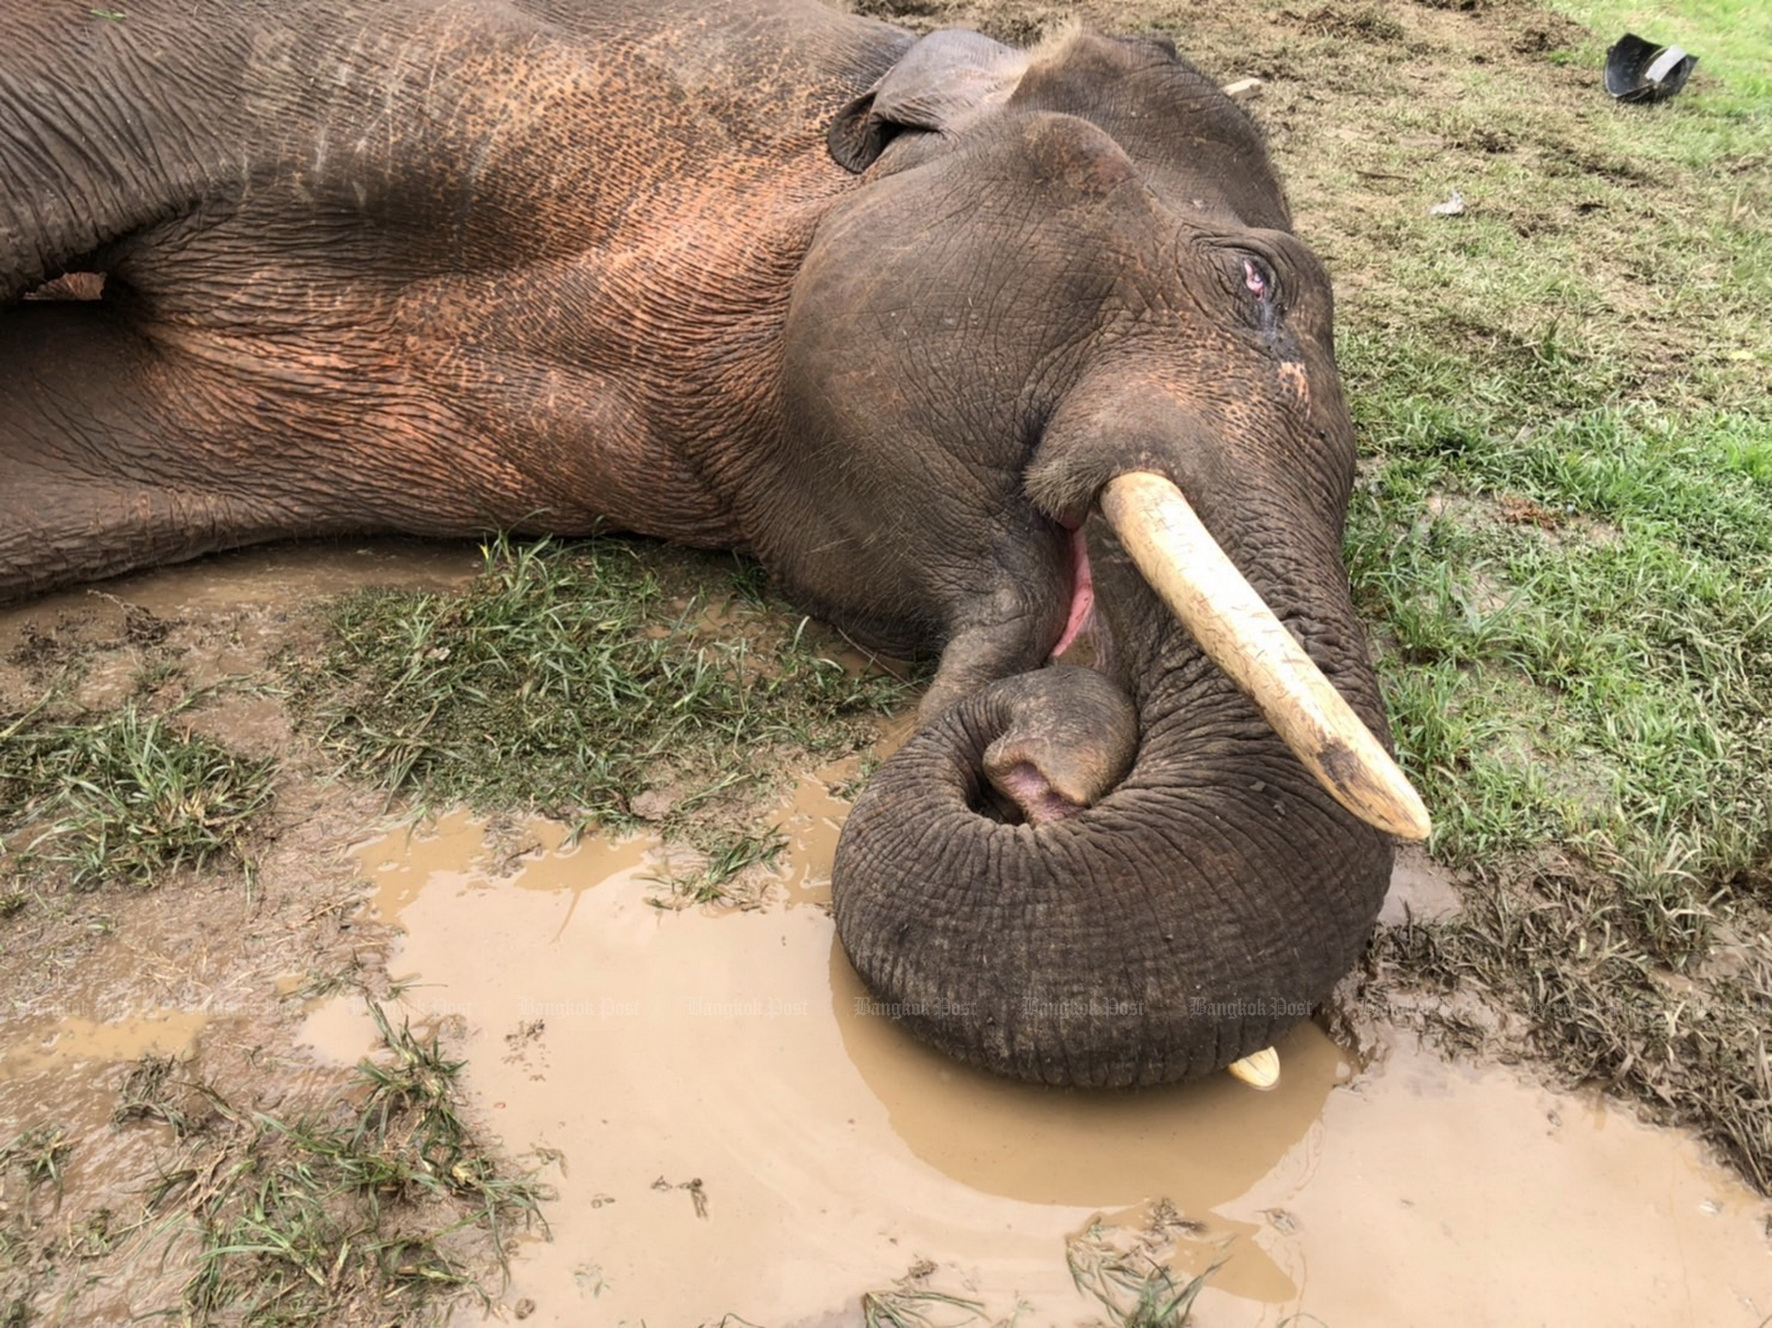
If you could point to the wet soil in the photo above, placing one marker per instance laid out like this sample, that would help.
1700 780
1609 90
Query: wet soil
203 967
726 1126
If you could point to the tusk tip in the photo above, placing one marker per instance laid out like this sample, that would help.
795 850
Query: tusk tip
1260 1069
1363 778
1416 830
1407 819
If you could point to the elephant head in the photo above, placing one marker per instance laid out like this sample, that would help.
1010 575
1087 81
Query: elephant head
1058 371
1037 364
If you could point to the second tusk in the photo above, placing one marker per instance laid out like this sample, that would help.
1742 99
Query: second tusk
1260 1069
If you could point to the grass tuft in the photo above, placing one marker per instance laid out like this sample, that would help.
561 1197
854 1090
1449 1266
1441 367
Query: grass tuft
918 1307
121 796
38 1153
1124 1270
725 855
314 1219
568 678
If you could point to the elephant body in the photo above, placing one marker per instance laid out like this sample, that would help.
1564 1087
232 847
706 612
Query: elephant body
887 313
434 267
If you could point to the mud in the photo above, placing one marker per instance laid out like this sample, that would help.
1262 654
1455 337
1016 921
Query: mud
1421 889
732 1127
221 620
201 969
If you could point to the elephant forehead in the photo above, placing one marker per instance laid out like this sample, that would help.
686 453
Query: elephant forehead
1084 178
1067 155
1189 141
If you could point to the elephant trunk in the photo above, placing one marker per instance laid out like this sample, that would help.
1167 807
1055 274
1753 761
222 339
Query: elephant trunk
1233 625
1183 921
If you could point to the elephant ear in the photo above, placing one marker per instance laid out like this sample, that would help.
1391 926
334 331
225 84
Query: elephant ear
944 82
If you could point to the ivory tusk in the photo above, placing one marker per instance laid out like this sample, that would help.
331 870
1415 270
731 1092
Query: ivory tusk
1260 1069
1183 564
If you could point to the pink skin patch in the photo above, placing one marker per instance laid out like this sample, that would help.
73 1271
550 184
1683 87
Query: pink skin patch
1039 802
1253 280
1082 594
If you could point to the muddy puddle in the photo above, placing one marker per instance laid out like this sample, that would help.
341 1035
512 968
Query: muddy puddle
729 1126
731 1130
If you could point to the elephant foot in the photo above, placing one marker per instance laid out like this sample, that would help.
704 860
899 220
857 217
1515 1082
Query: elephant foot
1071 737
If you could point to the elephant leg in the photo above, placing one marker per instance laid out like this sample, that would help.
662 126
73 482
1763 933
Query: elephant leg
117 451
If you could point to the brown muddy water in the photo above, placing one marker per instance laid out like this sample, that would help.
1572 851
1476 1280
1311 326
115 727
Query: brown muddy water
734 1130
731 1128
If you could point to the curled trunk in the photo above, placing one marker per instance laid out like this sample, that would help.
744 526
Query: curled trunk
1190 917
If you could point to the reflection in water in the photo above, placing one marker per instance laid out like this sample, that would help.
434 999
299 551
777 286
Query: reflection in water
676 1055
1198 1145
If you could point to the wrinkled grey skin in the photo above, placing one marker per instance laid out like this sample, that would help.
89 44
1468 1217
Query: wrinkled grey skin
886 313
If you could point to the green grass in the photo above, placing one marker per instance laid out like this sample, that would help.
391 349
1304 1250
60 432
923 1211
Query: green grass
1578 622
724 856
318 1218
1562 537
123 795
570 678
1732 38
1563 533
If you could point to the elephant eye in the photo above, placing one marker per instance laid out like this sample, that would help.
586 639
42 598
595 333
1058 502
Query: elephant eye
1258 279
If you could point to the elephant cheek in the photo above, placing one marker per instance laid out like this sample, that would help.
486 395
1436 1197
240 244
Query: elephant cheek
1295 384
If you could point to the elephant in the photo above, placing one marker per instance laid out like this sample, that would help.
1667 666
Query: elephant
986 354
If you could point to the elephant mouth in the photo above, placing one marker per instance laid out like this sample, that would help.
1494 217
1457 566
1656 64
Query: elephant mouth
1236 629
